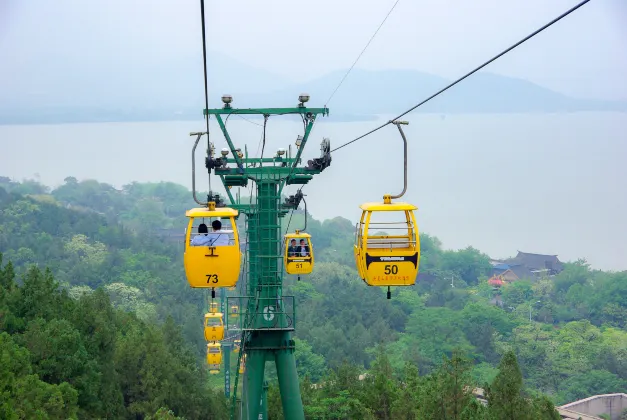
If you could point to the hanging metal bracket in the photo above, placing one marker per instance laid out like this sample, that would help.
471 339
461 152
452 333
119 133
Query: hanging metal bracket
215 198
388 197
199 134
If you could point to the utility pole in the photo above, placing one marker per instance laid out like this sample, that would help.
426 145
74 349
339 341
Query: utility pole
267 317
530 309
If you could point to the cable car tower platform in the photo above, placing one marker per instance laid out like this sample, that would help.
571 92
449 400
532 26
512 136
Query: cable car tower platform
267 317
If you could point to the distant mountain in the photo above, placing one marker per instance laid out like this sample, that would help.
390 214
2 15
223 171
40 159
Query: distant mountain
123 84
63 89
393 91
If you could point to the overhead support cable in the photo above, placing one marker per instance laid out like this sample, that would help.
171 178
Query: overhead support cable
204 63
204 57
360 54
557 19
338 87
247 120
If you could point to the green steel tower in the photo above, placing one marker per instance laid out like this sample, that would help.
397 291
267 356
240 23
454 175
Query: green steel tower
267 317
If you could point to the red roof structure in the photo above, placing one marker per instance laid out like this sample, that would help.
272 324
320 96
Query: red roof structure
495 281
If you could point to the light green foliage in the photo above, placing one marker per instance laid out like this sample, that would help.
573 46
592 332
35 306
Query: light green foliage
481 323
164 414
430 252
469 264
582 385
131 299
436 331
308 363
517 293
20 208
76 292
483 373
543 289
81 250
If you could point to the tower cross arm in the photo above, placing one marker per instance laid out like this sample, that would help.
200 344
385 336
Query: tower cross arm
267 111
265 171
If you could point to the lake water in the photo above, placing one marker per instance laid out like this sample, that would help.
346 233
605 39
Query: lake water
549 183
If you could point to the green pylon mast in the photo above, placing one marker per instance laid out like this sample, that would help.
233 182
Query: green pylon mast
267 317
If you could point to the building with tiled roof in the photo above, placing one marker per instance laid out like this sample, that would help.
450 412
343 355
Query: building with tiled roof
538 264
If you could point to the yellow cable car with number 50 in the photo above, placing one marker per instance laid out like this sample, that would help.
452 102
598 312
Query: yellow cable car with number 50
387 259
212 259
387 250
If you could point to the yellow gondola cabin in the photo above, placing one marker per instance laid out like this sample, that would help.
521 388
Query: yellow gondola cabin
214 353
214 369
236 345
298 255
214 326
212 254
382 258
242 366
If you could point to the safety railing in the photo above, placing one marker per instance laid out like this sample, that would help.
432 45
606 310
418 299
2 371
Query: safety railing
263 313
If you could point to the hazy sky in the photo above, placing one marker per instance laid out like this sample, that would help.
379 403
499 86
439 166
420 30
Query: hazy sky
584 55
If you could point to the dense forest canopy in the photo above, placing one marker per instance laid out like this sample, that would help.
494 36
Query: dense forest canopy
96 318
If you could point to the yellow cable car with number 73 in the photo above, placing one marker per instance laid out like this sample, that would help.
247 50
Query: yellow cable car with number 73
212 256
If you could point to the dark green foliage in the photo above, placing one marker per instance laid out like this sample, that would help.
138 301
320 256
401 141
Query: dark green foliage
504 394
447 393
506 399
82 358
583 385
23 395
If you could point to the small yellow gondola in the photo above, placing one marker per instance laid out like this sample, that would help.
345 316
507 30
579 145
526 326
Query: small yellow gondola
236 345
387 259
214 354
214 369
214 326
298 254
242 366
208 265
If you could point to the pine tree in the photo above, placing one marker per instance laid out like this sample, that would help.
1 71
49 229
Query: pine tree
448 392
504 394
406 405
380 388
